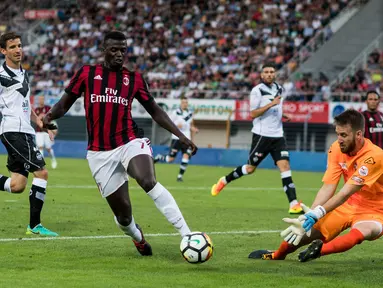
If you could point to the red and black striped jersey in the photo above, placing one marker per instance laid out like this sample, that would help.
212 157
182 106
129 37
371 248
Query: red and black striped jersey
374 127
108 97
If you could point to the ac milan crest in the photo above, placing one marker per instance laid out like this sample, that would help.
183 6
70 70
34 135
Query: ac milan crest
126 81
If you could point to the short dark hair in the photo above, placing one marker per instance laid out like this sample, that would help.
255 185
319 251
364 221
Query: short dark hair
372 92
183 97
114 35
8 36
350 117
268 65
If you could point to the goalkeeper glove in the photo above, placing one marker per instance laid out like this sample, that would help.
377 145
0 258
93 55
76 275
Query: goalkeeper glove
294 233
312 216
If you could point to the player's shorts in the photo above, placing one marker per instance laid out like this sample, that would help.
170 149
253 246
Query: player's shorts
43 140
109 168
261 146
23 155
176 146
344 217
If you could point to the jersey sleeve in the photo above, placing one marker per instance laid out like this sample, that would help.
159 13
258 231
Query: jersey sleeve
334 170
368 171
142 95
77 84
255 98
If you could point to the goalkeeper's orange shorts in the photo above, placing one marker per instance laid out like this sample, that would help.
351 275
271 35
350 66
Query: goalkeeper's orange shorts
345 216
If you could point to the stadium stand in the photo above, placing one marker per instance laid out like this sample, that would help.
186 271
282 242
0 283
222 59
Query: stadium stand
214 45
202 49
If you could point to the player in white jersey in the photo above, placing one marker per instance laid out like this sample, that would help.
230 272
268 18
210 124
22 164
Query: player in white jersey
17 134
266 112
183 118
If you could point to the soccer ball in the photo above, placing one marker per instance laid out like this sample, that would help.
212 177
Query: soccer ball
196 247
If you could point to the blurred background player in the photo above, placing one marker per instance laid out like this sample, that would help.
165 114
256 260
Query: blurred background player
42 138
358 205
17 133
183 119
373 119
266 112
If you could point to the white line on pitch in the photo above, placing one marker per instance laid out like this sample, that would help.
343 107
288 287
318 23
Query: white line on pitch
124 236
60 186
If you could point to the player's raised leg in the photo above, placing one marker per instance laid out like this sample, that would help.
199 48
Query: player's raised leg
258 151
173 151
14 184
5 184
119 202
141 168
234 175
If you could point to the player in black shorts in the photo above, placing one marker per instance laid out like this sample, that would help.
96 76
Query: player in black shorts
17 134
266 112
183 118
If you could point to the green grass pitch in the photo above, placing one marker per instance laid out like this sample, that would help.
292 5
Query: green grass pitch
254 204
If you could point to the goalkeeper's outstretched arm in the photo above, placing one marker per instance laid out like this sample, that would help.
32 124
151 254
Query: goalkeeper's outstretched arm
324 194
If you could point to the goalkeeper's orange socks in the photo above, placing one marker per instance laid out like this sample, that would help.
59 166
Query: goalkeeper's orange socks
283 250
343 243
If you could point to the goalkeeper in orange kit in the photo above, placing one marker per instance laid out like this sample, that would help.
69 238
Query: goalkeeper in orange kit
358 205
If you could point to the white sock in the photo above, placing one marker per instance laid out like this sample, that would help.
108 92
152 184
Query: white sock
167 159
130 230
244 170
293 203
52 154
7 185
168 207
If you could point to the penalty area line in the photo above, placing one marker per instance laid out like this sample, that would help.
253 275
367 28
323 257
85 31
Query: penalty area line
124 236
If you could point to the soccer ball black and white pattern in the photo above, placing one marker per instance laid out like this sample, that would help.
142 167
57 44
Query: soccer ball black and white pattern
196 247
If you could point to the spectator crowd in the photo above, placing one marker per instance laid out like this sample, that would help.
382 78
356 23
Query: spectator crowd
199 48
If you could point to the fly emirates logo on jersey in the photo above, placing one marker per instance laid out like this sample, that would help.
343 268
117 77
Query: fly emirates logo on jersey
110 96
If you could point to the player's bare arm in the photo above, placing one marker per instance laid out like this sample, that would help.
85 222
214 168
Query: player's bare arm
36 119
324 194
193 128
47 127
341 197
260 111
165 122
60 108
287 117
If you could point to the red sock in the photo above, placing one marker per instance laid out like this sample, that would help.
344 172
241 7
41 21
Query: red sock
343 243
283 250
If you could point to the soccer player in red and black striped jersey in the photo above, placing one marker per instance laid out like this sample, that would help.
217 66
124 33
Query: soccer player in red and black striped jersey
114 147
373 119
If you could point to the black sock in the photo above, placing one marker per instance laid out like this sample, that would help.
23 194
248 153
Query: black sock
289 188
183 167
3 179
36 202
235 174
